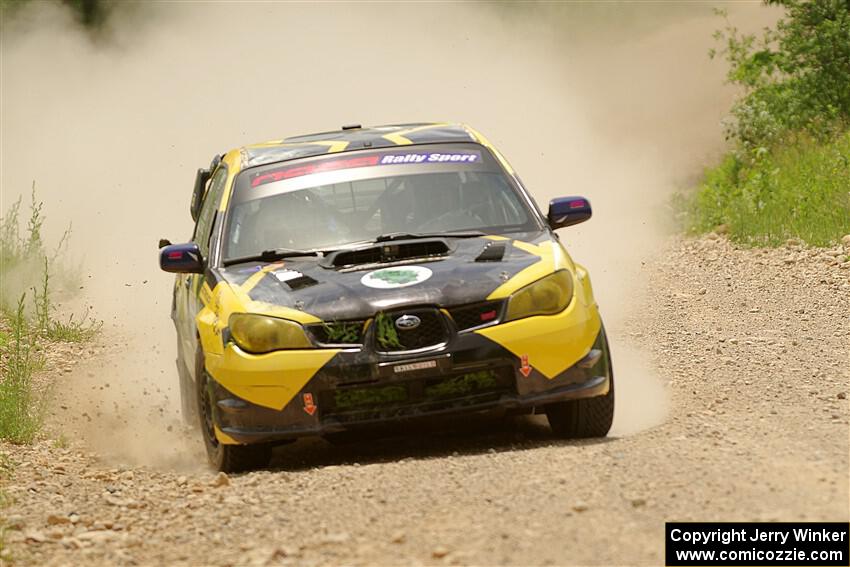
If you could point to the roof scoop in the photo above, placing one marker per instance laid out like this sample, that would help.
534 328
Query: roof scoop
493 252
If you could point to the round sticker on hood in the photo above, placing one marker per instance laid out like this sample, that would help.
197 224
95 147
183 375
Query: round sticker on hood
402 276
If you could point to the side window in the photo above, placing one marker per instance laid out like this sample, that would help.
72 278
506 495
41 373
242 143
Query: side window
208 210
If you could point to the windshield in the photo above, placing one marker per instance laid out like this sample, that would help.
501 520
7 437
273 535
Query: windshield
330 202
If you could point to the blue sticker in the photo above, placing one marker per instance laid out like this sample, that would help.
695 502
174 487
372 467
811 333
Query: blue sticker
256 268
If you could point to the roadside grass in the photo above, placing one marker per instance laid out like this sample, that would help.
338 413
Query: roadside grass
25 333
61 442
799 189
5 471
21 408
53 329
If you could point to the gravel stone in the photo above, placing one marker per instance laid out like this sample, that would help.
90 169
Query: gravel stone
486 490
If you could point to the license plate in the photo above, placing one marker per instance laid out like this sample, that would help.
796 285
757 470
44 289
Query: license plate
412 366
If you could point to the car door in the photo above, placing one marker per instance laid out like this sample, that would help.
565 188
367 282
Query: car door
190 287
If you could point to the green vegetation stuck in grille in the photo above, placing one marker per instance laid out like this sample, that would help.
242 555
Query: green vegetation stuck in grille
343 333
459 386
385 332
439 389
363 397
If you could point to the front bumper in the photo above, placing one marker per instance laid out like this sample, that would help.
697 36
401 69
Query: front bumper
354 388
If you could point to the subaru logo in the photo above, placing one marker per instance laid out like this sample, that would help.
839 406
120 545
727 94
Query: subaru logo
407 322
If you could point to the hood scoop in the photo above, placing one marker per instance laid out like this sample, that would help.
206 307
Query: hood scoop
384 253
493 252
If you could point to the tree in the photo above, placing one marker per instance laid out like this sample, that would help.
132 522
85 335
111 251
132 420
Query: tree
795 77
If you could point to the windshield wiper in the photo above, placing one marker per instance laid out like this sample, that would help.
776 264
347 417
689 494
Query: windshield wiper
273 254
417 235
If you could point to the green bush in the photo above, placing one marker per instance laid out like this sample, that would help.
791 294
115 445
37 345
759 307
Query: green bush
795 77
800 189
787 173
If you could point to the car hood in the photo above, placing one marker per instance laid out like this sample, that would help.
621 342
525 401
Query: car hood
461 276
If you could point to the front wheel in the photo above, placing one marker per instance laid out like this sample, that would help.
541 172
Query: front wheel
588 417
225 458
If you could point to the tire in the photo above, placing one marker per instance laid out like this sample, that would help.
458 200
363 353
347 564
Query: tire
224 458
587 417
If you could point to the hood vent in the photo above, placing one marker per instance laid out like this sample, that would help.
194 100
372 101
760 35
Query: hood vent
300 282
493 252
383 253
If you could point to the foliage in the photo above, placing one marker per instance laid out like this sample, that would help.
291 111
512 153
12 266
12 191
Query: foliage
462 385
22 255
360 397
341 332
54 329
799 190
23 338
15 249
21 411
385 332
795 77
787 174
91 14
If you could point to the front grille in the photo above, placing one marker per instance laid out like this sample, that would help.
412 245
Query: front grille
338 332
470 316
392 337
418 396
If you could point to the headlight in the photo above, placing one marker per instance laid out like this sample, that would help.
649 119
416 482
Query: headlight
546 296
259 333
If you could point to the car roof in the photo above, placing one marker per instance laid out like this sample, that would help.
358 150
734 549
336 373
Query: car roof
355 137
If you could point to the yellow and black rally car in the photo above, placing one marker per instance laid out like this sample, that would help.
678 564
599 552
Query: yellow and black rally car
347 279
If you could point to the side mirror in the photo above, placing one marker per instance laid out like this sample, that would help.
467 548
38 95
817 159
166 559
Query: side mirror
181 259
567 211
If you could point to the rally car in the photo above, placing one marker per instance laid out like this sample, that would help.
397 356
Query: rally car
354 278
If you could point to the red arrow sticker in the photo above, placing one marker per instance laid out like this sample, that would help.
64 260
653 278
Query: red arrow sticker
525 369
309 406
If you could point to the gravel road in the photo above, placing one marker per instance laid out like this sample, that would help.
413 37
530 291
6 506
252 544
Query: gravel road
752 346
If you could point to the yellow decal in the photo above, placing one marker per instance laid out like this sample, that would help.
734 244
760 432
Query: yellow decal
205 294
552 258
400 139
270 380
584 289
333 145
234 299
477 136
255 278
550 344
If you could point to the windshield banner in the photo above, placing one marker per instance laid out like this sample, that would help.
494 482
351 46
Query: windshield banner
384 158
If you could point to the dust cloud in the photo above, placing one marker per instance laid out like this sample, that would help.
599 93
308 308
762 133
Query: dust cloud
617 102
